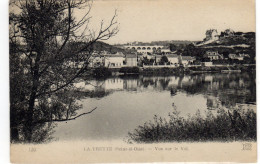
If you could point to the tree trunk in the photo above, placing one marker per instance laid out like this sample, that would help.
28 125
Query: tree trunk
29 125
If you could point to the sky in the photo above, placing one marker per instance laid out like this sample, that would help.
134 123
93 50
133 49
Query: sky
153 20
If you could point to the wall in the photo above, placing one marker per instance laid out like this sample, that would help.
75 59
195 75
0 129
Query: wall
114 62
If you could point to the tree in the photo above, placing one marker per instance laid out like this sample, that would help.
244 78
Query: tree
49 49
226 54
173 47
164 60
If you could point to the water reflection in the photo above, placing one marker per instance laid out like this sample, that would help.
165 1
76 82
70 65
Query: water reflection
125 102
219 89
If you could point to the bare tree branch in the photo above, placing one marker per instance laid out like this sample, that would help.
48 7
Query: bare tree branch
61 120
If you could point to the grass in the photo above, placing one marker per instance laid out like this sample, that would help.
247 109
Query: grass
235 125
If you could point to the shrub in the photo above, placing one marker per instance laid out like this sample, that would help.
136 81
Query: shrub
101 72
129 70
223 126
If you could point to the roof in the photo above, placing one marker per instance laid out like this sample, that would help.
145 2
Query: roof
114 55
187 58
158 56
172 55
130 55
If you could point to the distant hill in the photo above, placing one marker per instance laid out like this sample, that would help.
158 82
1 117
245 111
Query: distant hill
176 42
101 46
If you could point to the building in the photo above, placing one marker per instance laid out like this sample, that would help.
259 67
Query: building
157 58
244 55
232 56
131 60
211 35
213 55
207 64
173 59
114 60
187 60
228 33
240 56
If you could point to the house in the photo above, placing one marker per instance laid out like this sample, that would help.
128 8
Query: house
211 34
187 60
157 58
173 59
242 56
149 56
207 63
213 55
131 60
114 60
232 56
238 57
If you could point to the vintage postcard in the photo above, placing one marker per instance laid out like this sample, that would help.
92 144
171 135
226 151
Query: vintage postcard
132 81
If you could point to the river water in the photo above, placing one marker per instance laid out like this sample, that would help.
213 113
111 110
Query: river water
124 103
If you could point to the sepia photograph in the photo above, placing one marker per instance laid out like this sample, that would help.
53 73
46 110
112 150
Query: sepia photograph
98 81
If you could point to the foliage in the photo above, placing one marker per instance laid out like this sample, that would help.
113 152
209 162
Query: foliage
173 47
164 60
163 71
102 72
129 70
49 49
223 126
147 61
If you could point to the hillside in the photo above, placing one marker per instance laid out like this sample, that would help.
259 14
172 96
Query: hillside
238 39
101 46
235 42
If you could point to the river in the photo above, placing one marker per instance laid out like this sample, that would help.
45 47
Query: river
124 103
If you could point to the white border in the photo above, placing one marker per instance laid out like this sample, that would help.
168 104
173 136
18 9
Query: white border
4 84
4 80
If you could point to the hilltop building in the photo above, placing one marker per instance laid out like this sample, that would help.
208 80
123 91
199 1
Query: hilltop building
211 34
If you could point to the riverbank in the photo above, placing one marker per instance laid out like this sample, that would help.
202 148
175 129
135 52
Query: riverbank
165 71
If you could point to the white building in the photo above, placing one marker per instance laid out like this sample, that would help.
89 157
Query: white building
173 59
187 60
131 60
213 55
114 60
207 64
